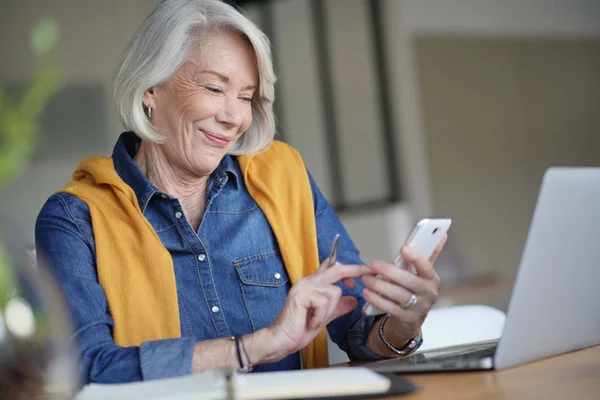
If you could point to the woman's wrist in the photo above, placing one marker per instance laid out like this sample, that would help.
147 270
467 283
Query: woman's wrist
398 333
397 336
261 347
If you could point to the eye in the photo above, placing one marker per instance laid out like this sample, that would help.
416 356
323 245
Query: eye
213 89
246 99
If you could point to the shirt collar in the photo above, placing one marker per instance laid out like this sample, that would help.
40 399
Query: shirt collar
126 148
229 168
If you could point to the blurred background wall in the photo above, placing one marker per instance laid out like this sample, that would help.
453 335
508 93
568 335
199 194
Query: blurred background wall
401 109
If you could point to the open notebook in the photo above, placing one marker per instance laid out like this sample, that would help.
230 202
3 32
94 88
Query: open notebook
329 382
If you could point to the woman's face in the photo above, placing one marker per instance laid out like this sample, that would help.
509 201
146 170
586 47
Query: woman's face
205 107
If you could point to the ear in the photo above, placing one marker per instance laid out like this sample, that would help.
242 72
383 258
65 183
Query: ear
149 98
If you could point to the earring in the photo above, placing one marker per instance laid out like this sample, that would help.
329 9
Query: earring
149 112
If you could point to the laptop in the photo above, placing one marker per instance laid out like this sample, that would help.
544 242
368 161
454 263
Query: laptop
553 307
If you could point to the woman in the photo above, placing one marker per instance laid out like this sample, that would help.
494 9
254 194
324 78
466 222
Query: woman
202 243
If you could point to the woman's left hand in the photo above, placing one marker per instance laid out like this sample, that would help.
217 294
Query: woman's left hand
392 290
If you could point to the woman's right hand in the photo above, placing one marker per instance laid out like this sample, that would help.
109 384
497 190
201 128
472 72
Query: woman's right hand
312 303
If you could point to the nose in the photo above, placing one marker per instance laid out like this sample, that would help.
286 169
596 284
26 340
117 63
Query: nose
231 113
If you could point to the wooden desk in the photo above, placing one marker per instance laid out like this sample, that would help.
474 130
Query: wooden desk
571 376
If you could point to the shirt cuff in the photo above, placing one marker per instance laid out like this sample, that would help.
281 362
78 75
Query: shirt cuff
167 358
357 339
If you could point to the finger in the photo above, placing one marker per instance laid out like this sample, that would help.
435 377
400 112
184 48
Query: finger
348 282
387 289
324 266
408 316
383 304
333 293
319 305
339 271
389 272
438 250
425 288
345 305
422 265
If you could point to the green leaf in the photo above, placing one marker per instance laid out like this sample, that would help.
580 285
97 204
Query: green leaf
3 99
7 278
44 36
44 86
13 160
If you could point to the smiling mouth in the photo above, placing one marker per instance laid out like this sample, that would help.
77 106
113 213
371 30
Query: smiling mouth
221 141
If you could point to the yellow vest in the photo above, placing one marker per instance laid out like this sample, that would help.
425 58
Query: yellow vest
136 270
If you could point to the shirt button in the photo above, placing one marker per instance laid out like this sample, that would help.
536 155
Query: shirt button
202 257
164 196
177 215
222 180
277 275
215 309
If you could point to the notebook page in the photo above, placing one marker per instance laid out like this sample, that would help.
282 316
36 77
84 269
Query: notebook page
310 383
265 385
206 386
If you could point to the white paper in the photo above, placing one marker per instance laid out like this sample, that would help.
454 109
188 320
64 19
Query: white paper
264 385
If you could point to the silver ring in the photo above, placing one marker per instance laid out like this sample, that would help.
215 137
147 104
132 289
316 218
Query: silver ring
411 303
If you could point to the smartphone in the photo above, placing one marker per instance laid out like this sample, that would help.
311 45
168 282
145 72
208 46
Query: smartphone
425 237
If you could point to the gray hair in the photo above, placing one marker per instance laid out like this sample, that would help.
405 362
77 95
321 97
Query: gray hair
164 42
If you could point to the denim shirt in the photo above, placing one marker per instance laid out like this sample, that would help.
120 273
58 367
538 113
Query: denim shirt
229 274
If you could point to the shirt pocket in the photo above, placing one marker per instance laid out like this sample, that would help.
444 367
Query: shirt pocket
265 284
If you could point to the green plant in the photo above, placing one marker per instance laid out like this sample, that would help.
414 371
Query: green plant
20 121
20 115
24 366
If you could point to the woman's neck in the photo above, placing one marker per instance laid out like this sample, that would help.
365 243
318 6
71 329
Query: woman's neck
188 188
